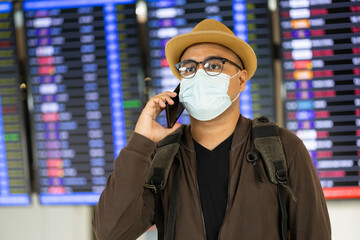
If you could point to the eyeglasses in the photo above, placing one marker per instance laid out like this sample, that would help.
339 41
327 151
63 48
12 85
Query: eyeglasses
213 66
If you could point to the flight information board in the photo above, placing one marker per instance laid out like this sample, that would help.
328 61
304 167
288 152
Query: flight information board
249 20
321 57
83 64
14 172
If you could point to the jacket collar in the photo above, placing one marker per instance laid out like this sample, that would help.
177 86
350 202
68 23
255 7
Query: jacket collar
241 133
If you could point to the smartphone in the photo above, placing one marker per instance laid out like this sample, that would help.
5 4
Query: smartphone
174 111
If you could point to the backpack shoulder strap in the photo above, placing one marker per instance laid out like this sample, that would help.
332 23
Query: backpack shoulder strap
163 160
268 143
166 152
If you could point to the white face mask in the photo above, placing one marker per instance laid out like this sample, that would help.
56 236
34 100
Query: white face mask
205 97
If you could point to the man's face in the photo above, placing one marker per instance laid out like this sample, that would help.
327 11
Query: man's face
200 52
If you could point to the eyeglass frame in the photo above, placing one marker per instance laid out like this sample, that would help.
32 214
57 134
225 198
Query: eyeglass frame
177 66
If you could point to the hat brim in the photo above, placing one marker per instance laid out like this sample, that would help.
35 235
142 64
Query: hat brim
176 46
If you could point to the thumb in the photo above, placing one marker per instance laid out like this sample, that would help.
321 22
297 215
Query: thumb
174 128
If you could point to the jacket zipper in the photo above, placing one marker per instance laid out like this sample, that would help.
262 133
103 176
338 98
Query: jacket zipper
198 191
227 205
201 212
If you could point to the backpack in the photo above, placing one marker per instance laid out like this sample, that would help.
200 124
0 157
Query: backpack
268 147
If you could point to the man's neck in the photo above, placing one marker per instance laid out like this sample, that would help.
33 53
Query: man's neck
211 133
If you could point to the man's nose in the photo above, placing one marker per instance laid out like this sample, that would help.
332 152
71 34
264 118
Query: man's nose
201 66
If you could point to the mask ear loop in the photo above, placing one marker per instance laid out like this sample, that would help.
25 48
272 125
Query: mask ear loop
235 74
235 98
239 92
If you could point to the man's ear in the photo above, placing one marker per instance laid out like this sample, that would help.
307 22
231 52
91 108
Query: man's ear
242 79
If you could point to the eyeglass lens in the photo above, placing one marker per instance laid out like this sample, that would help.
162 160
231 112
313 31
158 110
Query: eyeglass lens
212 67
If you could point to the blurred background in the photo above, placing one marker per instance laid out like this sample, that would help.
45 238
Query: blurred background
75 75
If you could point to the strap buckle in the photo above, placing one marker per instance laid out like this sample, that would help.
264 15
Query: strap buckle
252 157
155 188
281 176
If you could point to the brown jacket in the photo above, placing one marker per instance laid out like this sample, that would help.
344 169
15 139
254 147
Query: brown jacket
126 209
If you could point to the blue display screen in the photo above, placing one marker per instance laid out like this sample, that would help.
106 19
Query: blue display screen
83 67
14 177
320 56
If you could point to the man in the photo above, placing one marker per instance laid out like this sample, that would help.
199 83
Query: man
219 196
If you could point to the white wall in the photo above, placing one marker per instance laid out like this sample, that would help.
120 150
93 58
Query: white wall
45 222
74 222
345 219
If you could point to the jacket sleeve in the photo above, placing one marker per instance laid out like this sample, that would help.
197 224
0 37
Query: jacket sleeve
126 209
308 217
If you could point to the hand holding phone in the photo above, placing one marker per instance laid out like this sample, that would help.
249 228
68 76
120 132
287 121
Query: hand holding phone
174 111
147 125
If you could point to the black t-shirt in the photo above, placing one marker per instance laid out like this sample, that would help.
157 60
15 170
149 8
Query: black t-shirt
213 177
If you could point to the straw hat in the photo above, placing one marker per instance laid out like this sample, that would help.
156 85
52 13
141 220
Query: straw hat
210 31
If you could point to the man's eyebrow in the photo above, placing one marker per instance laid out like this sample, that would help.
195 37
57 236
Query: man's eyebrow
211 56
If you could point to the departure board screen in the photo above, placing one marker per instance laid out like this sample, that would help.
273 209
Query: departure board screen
249 20
14 172
83 64
320 43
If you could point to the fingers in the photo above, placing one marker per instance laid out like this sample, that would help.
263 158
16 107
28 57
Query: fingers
159 101
176 126
156 104
147 125
163 98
